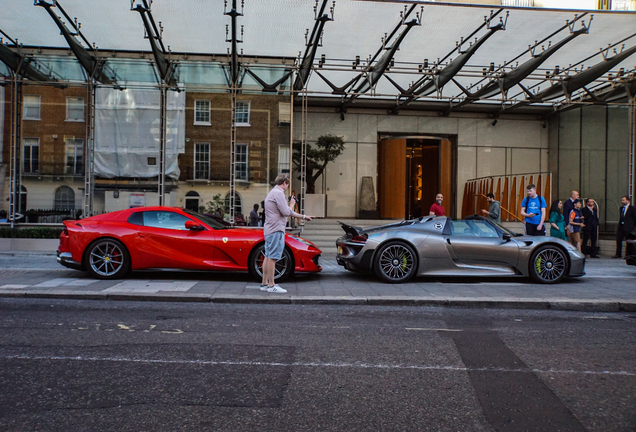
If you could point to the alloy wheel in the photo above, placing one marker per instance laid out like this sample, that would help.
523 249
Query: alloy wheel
106 259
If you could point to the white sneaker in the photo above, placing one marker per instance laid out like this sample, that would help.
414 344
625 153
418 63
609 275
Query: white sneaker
264 287
276 289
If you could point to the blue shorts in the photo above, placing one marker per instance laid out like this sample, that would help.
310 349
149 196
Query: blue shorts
274 245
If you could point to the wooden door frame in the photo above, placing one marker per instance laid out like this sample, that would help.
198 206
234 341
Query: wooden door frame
450 202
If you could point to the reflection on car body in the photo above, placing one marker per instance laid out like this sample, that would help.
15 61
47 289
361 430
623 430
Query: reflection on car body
440 246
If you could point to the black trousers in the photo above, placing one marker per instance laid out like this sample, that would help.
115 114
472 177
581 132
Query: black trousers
620 236
531 229
587 235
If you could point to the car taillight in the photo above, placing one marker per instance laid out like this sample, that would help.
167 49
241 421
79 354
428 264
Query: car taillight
359 239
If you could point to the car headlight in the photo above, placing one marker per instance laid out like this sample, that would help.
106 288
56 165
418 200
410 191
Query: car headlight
571 247
302 240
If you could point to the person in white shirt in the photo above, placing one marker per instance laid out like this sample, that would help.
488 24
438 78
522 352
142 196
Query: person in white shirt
277 210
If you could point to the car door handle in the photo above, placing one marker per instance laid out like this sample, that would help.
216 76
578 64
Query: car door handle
448 241
140 235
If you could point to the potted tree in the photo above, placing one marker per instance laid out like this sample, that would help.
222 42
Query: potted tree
327 149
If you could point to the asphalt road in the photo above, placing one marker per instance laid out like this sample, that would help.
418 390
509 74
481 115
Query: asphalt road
133 366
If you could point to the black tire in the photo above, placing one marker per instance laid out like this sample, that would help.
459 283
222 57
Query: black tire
549 264
395 262
107 259
284 266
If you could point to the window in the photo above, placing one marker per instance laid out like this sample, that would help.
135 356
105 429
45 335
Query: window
202 161
32 107
284 113
64 198
243 113
473 228
283 160
240 162
31 158
165 219
202 112
74 156
238 205
75 109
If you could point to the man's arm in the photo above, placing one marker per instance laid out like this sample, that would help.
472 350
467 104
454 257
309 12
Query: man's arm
494 212
542 218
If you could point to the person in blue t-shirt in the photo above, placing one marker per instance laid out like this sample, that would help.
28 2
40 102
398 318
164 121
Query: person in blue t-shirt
533 208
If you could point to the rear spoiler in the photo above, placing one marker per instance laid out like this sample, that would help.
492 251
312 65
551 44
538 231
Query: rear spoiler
350 229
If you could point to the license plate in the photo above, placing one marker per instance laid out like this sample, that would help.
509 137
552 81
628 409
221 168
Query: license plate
340 250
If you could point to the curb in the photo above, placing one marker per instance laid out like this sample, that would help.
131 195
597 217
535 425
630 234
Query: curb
479 303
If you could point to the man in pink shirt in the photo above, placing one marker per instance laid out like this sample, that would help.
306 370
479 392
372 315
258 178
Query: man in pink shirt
436 208
277 210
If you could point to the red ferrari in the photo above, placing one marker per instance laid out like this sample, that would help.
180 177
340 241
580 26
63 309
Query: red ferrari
112 244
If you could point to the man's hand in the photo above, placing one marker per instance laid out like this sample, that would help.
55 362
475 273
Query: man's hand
485 212
309 217
540 227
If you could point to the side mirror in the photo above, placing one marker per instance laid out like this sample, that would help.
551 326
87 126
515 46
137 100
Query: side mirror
193 226
506 237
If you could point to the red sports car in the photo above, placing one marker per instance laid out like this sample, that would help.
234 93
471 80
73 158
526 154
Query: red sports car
110 245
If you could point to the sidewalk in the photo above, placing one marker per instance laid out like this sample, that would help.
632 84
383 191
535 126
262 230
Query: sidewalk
609 286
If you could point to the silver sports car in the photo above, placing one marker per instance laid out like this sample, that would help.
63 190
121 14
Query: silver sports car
440 246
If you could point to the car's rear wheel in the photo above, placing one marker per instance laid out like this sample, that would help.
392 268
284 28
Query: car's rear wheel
283 269
395 262
549 264
107 259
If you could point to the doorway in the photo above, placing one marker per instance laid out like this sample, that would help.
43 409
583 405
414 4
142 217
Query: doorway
412 171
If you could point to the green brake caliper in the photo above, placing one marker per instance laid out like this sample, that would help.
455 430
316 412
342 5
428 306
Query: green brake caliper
404 263
538 264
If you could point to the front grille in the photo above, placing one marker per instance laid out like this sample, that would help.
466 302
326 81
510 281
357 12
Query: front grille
316 260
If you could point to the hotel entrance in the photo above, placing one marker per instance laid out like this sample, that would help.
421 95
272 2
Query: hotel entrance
412 171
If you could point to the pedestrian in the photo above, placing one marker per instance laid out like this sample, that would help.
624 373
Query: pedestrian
568 206
590 230
226 214
277 211
533 209
626 224
437 209
254 216
262 214
494 211
557 221
576 224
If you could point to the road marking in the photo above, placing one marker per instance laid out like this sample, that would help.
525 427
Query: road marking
312 364
432 329
149 287
11 286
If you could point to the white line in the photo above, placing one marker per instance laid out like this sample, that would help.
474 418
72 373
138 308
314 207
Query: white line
310 364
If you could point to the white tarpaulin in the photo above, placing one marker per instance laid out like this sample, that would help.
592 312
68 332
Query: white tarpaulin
127 132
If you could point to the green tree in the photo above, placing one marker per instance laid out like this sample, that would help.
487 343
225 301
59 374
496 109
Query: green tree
217 203
328 148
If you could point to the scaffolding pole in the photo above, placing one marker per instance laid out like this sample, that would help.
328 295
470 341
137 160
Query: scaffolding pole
162 145
233 154
632 145
89 152
14 169
303 154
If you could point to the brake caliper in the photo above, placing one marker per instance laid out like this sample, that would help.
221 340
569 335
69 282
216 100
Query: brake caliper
404 263
538 264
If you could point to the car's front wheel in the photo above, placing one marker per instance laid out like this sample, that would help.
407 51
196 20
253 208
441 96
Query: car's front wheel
107 259
549 264
395 262
283 269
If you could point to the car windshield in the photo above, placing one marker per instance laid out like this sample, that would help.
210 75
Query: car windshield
506 230
208 220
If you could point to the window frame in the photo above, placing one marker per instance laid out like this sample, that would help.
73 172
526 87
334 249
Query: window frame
66 190
197 110
76 146
243 123
246 162
35 143
26 105
196 153
76 120
284 111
